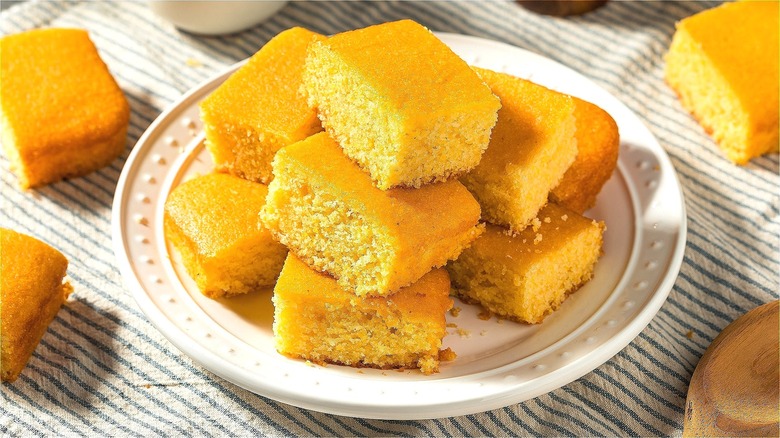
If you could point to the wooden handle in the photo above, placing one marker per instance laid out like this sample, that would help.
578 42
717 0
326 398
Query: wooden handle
735 388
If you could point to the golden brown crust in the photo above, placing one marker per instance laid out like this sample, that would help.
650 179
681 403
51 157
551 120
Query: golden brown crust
330 214
532 145
63 114
258 109
316 320
31 293
396 116
598 143
729 81
212 220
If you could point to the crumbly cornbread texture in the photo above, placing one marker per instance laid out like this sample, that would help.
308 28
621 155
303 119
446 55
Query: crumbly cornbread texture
328 213
728 79
259 108
31 293
315 319
400 102
62 113
532 146
214 222
526 277
598 141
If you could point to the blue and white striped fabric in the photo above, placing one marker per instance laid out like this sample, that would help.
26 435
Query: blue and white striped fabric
103 370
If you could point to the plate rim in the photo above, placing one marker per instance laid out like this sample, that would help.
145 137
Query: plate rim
204 357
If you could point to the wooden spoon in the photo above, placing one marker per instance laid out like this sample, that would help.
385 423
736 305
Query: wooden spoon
734 389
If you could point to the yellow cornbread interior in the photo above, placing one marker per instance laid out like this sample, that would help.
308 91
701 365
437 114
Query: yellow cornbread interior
31 293
532 146
400 102
315 319
329 213
62 113
213 221
528 276
598 141
729 79
259 109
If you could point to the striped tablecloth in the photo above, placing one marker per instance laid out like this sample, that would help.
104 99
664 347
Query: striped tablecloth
102 369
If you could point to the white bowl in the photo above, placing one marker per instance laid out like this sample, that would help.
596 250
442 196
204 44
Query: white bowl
215 17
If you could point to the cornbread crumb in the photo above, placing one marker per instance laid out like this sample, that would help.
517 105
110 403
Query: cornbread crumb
417 116
483 332
316 320
447 355
455 311
451 325
537 238
565 217
536 224
194 63
463 333
485 314
689 335
547 220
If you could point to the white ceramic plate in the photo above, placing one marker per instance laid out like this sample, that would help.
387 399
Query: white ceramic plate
499 363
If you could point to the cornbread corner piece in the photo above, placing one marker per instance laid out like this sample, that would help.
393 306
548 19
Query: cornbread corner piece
328 213
598 142
401 103
527 276
532 146
62 113
259 108
213 221
317 320
32 291
729 80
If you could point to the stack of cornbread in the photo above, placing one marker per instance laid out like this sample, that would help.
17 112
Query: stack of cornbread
371 207
534 253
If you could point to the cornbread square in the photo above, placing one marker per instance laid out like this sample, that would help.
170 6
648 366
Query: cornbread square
31 293
526 277
315 319
62 113
532 146
328 213
213 221
400 102
259 110
598 141
729 79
